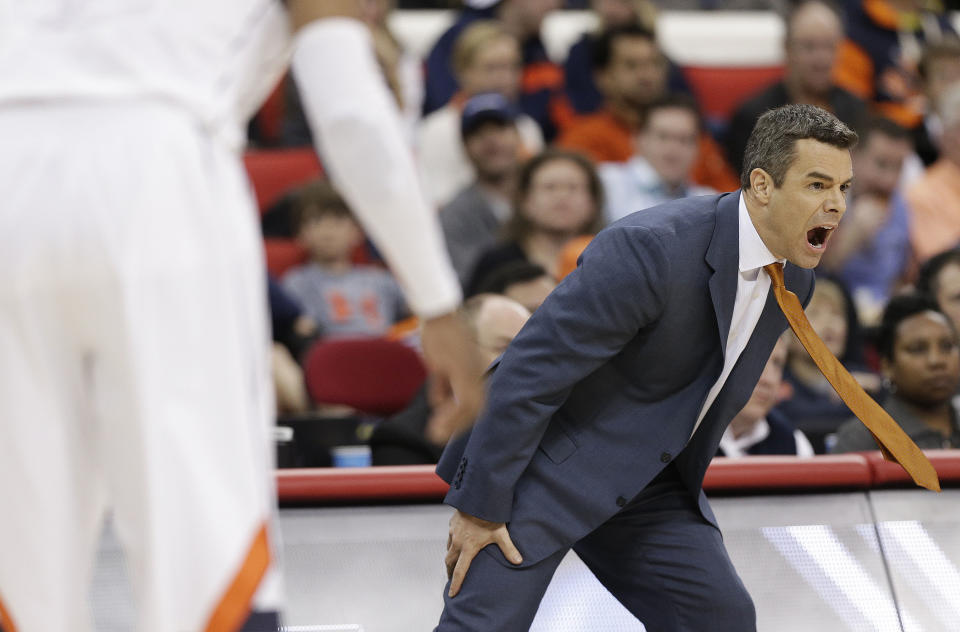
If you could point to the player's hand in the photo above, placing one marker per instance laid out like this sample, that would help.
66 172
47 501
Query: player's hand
469 534
456 376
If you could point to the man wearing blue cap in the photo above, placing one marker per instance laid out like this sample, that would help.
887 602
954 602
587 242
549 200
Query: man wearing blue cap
472 220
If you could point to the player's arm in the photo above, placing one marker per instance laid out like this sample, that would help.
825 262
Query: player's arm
358 132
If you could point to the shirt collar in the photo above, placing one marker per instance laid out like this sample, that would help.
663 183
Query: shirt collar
754 254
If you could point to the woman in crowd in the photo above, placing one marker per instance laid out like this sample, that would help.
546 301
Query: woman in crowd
815 408
921 361
559 197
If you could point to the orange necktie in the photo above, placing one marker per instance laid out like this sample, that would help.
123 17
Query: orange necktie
893 441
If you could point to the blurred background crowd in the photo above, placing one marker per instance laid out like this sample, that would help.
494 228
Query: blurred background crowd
527 153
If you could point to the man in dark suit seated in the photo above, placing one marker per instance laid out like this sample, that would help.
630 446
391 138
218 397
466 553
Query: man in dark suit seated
607 407
813 36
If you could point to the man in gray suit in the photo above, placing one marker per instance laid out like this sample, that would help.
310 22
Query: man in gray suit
472 220
606 409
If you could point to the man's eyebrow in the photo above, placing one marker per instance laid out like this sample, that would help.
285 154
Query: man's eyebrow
819 176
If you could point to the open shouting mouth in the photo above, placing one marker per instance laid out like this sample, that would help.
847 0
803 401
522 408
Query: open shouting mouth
817 237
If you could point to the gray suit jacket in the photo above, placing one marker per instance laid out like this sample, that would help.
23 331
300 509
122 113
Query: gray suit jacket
602 387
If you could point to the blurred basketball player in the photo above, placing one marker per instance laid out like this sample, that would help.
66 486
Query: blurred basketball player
133 334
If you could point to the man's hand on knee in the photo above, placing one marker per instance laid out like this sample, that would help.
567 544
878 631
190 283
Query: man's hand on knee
469 534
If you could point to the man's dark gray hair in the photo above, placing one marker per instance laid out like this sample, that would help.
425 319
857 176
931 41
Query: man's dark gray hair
772 143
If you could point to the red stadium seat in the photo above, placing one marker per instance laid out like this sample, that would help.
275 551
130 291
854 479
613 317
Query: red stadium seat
372 375
273 172
283 254
719 89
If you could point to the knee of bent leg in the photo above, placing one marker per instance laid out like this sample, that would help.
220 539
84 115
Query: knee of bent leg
734 609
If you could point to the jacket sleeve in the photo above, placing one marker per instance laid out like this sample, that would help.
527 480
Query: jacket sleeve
618 289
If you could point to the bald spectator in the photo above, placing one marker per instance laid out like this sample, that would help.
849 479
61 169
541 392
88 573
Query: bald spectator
661 169
814 32
757 428
401 440
542 86
631 73
487 61
939 68
935 197
473 220
870 251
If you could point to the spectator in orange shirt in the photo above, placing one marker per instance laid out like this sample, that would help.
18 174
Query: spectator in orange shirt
631 72
935 197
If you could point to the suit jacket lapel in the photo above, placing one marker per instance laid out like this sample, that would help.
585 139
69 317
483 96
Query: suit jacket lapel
723 256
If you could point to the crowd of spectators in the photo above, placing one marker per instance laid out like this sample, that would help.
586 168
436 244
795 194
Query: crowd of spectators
526 157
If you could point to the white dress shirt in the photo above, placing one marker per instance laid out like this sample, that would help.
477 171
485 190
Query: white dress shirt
752 287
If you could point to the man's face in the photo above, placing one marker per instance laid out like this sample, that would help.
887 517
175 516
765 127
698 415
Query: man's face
493 149
669 143
877 161
948 292
615 12
802 212
495 68
636 74
767 393
812 48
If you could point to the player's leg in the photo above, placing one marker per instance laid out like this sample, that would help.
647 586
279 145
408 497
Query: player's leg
496 596
51 498
668 566
183 387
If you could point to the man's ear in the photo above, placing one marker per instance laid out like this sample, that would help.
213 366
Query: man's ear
761 183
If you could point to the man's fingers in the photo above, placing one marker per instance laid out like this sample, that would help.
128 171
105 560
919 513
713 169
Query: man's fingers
460 571
507 548
450 561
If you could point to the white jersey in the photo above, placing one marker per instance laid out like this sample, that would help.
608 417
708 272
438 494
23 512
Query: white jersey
216 58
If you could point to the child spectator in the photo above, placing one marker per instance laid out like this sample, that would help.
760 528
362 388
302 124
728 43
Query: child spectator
342 298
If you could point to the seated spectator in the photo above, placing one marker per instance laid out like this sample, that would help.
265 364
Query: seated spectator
921 360
935 197
292 333
631 73
940 278
757 428
487 60
812 37
579 80
542 84
524 282
473 220
404 439
559 197
879 59
660 170
343 299
870 251
815 408
939 68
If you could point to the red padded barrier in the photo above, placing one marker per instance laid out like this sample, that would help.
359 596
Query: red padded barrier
783 473
402 482
884 473
721 89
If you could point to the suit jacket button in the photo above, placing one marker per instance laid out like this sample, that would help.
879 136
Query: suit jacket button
621 501
665 457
